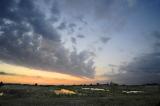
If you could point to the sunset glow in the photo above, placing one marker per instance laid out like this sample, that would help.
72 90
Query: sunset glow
19 74
80 41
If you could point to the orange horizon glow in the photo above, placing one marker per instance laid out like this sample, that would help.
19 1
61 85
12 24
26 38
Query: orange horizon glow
25 75
42 81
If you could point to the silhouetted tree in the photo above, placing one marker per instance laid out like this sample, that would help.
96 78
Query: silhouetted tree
35 84
1 84
113 84
98 84
84 85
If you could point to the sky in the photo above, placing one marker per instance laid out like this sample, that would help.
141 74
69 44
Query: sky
80 41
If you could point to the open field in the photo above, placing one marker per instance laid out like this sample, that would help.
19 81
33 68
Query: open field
95 95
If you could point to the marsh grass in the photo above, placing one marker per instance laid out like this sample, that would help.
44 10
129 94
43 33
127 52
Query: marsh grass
23 95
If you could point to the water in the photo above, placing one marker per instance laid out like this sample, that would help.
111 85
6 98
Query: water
94 89
135 92
1 94
64 91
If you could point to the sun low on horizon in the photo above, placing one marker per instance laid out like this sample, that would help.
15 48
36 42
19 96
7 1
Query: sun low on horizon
66 42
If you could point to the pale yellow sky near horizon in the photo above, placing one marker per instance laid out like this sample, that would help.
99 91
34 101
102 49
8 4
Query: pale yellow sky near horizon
20 74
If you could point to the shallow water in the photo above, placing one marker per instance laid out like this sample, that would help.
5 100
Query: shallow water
1 93
132 92
94 89
64 91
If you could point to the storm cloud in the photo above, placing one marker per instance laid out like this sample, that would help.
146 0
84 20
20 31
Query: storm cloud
27 38
144 68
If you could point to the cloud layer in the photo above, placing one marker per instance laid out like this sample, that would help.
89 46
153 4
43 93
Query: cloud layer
28 38
144 68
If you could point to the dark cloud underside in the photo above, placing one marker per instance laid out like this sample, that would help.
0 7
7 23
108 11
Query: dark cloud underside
27 38
144 68
4 73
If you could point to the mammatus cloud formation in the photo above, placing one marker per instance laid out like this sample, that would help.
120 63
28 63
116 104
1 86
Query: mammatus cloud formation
28 38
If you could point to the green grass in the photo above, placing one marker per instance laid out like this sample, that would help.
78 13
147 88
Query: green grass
26 95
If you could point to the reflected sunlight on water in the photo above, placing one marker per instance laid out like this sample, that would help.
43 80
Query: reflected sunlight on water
64 91
1 94
94 89
128 92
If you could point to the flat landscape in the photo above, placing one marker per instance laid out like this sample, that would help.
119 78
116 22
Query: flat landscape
79 52
79 95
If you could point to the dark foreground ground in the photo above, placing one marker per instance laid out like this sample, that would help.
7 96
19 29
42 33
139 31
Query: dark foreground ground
108 95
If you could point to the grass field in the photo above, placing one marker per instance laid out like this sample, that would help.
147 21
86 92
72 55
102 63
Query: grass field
88 95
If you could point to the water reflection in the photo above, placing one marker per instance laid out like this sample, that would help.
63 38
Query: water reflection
129 92
64 91
1 93
94 89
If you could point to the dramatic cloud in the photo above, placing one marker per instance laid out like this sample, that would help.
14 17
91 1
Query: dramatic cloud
142 69
27 38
